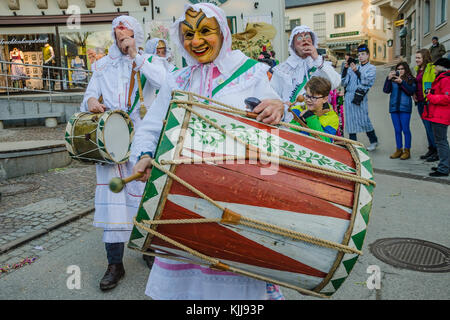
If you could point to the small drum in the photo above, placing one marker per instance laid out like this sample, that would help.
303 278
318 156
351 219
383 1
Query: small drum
100 137
262 201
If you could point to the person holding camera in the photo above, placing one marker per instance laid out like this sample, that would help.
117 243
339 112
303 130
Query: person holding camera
401 84
318 115
357 81
437 111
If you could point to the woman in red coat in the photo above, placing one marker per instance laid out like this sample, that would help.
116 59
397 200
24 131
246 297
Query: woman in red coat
438 113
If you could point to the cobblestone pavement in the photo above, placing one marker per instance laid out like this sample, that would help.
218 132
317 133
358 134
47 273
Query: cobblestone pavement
33 203
32 133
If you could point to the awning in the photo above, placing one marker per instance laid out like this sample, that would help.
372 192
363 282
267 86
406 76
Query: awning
343 44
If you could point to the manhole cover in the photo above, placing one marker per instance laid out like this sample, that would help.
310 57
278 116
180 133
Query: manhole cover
413 254
17 188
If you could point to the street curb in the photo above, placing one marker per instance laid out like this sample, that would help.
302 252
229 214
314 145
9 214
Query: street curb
411 176
36 234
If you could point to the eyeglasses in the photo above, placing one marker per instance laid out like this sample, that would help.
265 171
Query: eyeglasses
312 98
304 37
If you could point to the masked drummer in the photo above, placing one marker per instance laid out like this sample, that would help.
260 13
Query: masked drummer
115 80
290 77
204 40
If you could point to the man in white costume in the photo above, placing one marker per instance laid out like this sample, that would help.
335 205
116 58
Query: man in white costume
290 77
115 80
160 47
204 40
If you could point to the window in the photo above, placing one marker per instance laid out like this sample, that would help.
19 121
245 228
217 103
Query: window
232 24
339 20
319 22
384 51
374 50
426 17
294 23
441 12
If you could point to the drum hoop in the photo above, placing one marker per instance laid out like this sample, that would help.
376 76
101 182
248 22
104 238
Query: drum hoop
69 135
348 233
101 135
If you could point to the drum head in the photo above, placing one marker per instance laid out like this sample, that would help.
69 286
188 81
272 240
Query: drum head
117 137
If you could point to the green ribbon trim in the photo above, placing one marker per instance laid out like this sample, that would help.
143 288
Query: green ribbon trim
242 69
300 87
143 81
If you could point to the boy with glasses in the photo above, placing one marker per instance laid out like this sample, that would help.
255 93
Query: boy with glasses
357 82
318 115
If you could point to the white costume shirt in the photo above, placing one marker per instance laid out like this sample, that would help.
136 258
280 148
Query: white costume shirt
171 279
291 73
114 212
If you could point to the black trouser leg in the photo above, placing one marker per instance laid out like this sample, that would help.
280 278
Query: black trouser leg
114 252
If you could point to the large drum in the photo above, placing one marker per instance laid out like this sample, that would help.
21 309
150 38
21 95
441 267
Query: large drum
100 137
258 200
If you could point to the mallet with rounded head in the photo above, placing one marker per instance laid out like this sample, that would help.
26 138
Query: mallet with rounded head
116 184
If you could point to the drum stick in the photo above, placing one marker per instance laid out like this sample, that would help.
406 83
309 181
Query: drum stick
116 184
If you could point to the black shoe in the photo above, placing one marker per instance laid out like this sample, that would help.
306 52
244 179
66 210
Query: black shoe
434 157
430 152
434 168
438 174
113 275
148 260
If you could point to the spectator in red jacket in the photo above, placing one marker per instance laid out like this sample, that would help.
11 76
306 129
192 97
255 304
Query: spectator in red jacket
438 113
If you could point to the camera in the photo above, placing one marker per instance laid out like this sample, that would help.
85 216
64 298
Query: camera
359 96
351 60
397 73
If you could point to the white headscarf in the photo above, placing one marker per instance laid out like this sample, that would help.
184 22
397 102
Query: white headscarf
130 23
150 47
296 31
227 60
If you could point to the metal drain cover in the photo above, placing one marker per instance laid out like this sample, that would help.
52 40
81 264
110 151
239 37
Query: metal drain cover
413 254
17 188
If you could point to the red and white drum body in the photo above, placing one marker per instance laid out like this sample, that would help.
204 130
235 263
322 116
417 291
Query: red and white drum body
318 205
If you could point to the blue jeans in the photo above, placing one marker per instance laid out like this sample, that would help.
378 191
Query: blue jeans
427 125
114 252
440 136
401 120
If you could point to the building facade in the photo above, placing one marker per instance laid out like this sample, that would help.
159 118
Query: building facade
418 21
343 25
72 27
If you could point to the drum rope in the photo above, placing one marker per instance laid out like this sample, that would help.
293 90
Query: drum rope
289 125
248 221
241 112
300 164
216 264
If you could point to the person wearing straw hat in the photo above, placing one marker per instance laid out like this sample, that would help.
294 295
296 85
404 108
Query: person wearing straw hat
115 82
214 71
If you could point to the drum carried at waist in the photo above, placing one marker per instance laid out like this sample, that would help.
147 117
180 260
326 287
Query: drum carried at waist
100 137
258 200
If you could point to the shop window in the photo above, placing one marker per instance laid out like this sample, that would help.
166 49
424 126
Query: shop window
30 50
80 49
